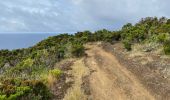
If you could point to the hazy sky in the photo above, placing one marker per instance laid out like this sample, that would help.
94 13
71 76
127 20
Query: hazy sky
75 15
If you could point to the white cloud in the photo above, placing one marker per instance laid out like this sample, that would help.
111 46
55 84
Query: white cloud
75 15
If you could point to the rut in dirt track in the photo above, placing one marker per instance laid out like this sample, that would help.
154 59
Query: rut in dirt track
110 80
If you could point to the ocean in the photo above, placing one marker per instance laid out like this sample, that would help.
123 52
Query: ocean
17 41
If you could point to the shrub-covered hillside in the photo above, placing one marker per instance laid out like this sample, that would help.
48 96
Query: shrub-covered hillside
23 71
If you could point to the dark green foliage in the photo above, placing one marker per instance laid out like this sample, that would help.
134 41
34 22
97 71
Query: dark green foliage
60 53
167 47
77 50
127 45
16 89
39 89
146 29
163 37
168 21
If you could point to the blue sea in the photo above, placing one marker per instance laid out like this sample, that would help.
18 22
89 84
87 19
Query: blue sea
17 41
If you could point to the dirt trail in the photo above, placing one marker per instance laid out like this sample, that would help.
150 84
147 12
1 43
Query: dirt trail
110 80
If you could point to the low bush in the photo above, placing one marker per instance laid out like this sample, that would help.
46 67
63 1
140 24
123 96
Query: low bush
127 45
13 89
166 47
78 50
56 73
163 37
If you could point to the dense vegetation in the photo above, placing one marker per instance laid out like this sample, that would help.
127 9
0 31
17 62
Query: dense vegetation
23 71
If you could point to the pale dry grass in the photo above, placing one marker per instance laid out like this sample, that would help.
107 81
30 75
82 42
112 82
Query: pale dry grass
78 71
139 52
51 80
142 56
136 51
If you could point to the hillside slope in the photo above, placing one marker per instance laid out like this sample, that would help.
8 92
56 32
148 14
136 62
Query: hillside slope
135 66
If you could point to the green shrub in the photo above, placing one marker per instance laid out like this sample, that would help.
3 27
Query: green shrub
166 47
163 37
2 97
2 62
40 89
20 92
10 90
27 63
78 50
61 53
56 73
127 45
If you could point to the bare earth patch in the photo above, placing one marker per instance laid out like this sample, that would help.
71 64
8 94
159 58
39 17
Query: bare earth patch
111 80
108 72
61 85
149 67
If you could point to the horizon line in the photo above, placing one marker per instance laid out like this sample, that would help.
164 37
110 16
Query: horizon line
37 32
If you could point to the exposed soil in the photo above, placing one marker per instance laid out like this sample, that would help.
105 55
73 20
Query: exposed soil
61 85
108 72
150 73
110 80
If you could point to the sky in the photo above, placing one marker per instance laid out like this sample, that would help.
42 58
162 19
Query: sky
61 16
